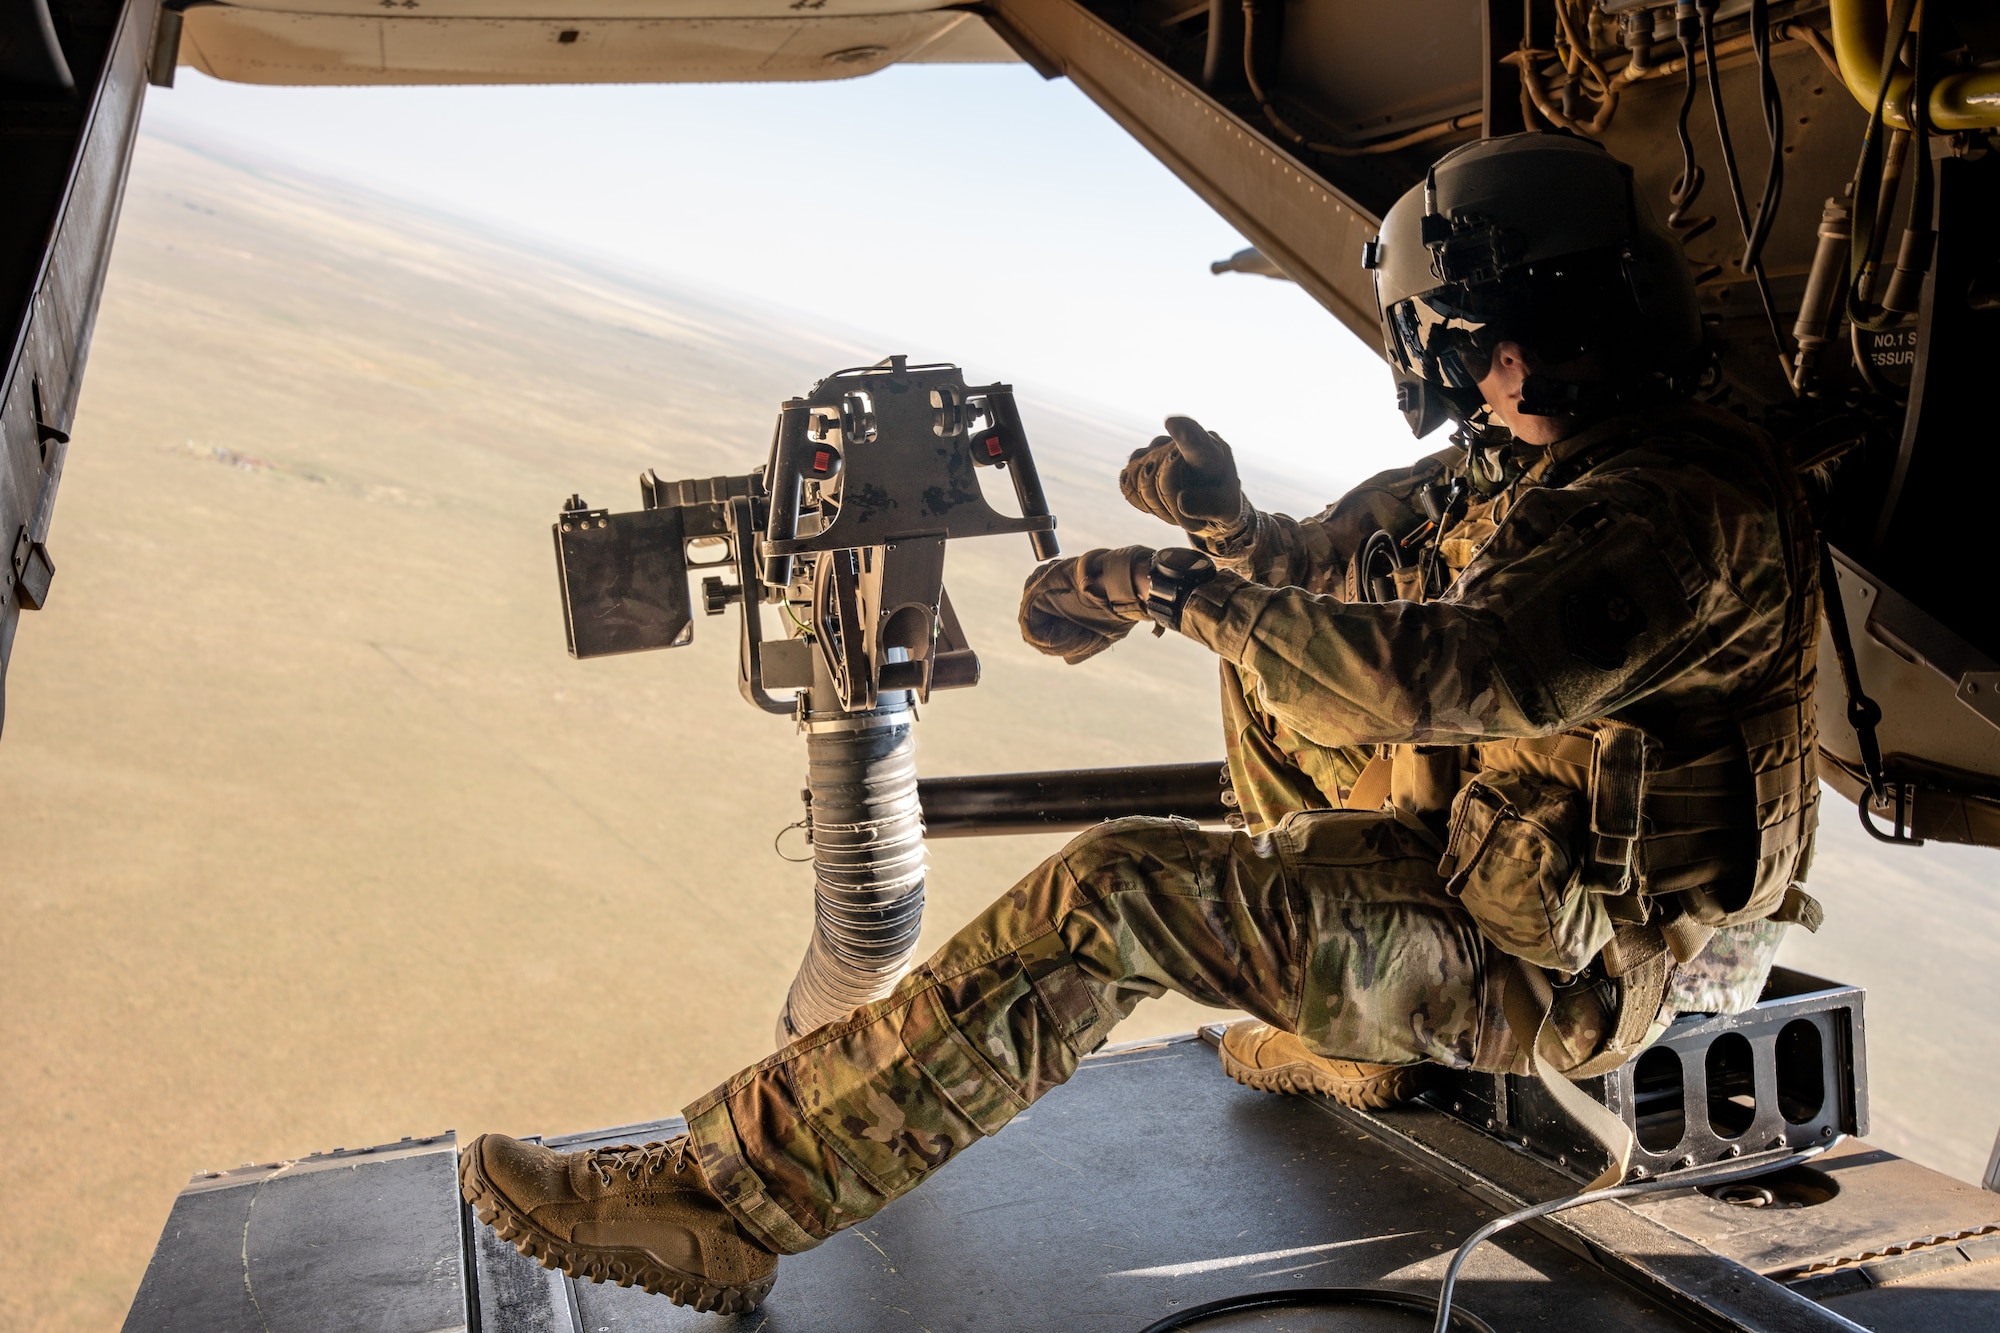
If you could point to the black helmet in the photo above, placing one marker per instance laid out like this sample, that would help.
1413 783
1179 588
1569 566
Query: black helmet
1538 239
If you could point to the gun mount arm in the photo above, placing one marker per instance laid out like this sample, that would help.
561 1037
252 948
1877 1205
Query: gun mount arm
1070 799
750 670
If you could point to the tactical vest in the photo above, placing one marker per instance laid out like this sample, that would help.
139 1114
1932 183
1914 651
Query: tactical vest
1613 839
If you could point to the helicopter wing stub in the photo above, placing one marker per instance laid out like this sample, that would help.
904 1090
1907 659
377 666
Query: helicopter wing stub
347 42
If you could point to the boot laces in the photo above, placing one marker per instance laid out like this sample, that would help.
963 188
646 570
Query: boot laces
646 1159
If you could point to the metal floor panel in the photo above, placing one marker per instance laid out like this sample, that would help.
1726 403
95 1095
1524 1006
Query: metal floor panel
1884 1203
333 1243
1149 1183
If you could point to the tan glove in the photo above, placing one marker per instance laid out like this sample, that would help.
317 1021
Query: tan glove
1077 607
1186 477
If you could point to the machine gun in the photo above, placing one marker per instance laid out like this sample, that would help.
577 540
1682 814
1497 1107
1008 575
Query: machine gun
843 529
842 533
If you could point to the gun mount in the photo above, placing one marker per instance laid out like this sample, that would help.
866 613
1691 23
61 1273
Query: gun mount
842 531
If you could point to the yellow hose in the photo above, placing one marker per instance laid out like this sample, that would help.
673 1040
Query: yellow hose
1965 101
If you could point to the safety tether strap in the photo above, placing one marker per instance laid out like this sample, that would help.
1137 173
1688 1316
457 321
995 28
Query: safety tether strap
1527 1002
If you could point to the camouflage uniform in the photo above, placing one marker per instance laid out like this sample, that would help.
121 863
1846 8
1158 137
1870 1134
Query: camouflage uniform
1337 923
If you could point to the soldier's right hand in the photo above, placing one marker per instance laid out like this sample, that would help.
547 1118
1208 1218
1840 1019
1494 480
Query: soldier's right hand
1186 477
1077 607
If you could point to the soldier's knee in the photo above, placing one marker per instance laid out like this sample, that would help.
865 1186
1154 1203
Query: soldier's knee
1115 858
1138 852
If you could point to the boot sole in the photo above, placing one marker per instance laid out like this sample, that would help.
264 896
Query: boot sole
1390 1088
628 1268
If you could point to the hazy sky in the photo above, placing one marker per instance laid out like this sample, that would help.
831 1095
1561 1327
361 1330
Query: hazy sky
976 214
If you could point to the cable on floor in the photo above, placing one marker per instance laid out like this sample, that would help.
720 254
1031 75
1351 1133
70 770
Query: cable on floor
1440 1309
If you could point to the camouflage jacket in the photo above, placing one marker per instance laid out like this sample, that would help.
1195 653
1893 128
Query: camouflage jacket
1630 614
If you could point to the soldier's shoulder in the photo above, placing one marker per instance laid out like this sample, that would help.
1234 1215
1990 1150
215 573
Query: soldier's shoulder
1692 446
1392 488
1402 480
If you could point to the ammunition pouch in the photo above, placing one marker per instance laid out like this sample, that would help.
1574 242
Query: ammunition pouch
1514 858
1727 832
1560 840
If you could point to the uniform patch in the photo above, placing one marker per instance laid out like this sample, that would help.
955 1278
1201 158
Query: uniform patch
1600 620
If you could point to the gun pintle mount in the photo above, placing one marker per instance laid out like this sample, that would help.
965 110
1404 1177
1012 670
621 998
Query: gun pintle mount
844 528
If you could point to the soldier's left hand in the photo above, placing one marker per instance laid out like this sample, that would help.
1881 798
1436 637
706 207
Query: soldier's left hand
1077 607
1186 477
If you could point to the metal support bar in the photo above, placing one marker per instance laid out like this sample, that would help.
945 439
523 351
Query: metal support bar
64 189
1071 799
1308 228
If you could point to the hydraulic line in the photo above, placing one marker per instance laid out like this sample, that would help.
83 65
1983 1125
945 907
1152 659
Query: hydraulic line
868 862
1774 131
1874 194
1687 186
1535 92
1913 257
1966 100
1705 16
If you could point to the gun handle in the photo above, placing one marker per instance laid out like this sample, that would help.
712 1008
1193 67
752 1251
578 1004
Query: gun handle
750 639
1021 467
787 488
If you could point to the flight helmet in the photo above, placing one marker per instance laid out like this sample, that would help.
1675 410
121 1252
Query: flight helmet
1538 239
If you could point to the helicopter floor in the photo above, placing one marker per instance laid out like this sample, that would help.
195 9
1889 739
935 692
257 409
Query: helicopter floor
1150 1184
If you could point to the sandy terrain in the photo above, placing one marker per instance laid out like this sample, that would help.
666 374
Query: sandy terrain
315 835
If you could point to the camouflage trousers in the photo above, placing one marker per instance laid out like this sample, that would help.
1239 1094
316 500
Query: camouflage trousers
1333 924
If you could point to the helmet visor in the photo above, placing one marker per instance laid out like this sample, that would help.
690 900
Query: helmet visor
1556 311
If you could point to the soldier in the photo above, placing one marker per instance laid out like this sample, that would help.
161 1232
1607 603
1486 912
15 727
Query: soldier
1522 736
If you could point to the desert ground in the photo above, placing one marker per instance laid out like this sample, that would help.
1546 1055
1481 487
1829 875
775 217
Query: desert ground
315 835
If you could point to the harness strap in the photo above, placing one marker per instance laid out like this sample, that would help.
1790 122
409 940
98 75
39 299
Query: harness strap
1800 909
1371 788
1686 937
1527 1003
1632 947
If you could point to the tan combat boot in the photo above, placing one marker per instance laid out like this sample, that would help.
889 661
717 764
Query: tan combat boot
1270 1059
628 1215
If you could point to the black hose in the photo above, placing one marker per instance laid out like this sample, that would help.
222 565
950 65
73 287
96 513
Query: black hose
1774 130
1705 12
1913 258
868 865
1316 1296
1687 188
1870 183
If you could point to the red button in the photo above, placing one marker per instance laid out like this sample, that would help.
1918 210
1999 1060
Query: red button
822 460
993 446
